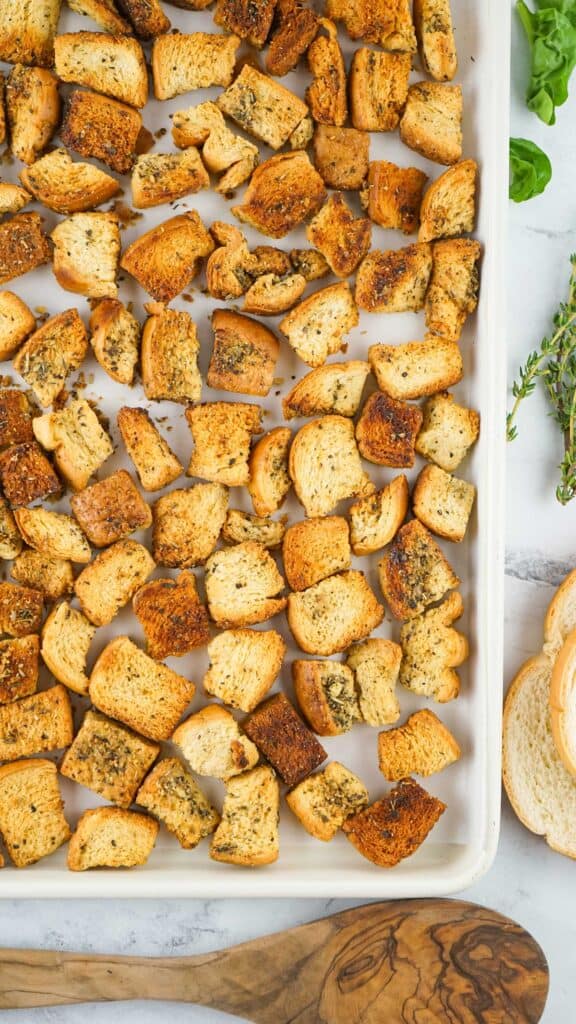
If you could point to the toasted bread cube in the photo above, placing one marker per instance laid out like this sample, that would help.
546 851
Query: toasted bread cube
269 481
171 794
13 198
128 685
66 639
449 204
187 524
269 259
112 579
416 368
422 746
431 650
325 466
20 610
435 34
334 388
297 26
341 156
19 661
36 724
280 734
102 128
170 356
244 354
109 759
376 666
23 246
327 94
212 743
33 109
326 696
387 22
378 89
324 801
172 616
393 828
31 818
453 292
243 666
78 440
50 354
394 281
114 65
331 615
110 837
375 520
342 238
67 187
163 177
111 509
448 431
27 31
248 832
53 534
15 416
310 264
16 323
247 20
242 583
315 329
414 572
315 549
231 267
155 462
262 107
115 339
53 577
222 150
443 503
166 259
10 539
387 430
392 196
282 193
196 61
86 254
432 121
104 13
271 295
146 16
26 474
240 526
222 432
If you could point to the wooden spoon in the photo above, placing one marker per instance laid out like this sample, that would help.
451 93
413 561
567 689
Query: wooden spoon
405 962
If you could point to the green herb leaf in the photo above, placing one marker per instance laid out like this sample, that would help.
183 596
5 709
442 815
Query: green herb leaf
530 170
551 33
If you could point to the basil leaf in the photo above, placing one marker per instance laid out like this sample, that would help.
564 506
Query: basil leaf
530 170
551 33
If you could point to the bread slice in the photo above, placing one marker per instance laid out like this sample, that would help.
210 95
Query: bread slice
376 665
393 828
86 254
242 584
109 837
53 534
115 339
187 524
422 746
108 758
27 475
222 150
20 610
387 22
247 20
327 94
212 744
146 16
443 503
32 822
166 259
326 696
111 64
449 204
51 353
67 187
341 156
155 462
325 466
19 662
262 107
435 34
269 481
334 388
283 192
199 60
159 178
453 292
66 639
416 368
316 328
112 579
248 832
562 703
378 89
36 724
394 281
16 323
102 128
432 121
23 246
414 573
324 801
104 13
243 666
169 355
27 30
53 577
375 520
33 109
296 28
280 734
111 509
222 432
315 549
331 615
392 196
387 429
172 616
171 794
241 526
12 197
342 238
431 650
244 354
448 431
10 539
78 440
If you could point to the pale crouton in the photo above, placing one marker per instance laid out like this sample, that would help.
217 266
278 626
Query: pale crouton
27 31
453 292
241 526
15 416
212 743
104 13
171 794
431 650
271 295
66 639
296 28
155 462
12 197
109 759
78 440
449 204
222 432
170 356
166 259
416 368
26 474
10 539
432 121
316 328
16 323
331 615
86 254
114 65
335 388
115 339
248 832
53 577
325 467
19 660
32 822
51 353
112 579
222 150
67 187
146 16
111 509
310 264
387 430
262 107
269 481
163 177
187 524
246 19
241 585
36 724
435 34
326 96
414 572
378 89
326 696
443 503
387 22
376 665
53 534
243 666
422 746
110 837
341 156
394 281
324 801
392 196
23 246
172 616
102 128
282 193
33 109
375 520
448 431
315 549
393 828
181 62
244 354
342 238
280 734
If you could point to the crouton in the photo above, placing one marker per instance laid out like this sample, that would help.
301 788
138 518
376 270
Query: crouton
341 156
448 431
53 534
422 746
296 28
282 193
375 520
67 187
443 503
231 267
432 121
66 639
187 524
449 204
324 465
289 746
222 432
104 13
155 462
204 126
326 696
241 526
244 354
173 618
171 794
113 65
36 724
112 579
392 196
387 22
23 246
10 539
109 759
86 254
162 177
26 474
394 281
241 585
262 107
110 837
431 650
53 577
375 664
111 509
166 259
248 832
435 34
271 295
269 260
33 110
243 666
315 329
453 292
378 89
342 238
324 801
416 368
331 615
310 264
269 481
99 127
79 442
212 743
146 16
386 432
32 822
16 323
315 549
326 96
335 388
19 659
15 414
170 356
393 828
115 339
27 31
247 20
181 62
414 572
12 197
51 353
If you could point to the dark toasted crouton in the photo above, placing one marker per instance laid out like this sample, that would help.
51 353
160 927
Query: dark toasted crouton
375 520
187 524
16 323
15 416
241 585
432 649
243 666
36 724
102 128
269 481
392 196
111 509
386 431
33 108
325 466
448 432
27 31
282 193
19 660
435 34
115 339
172 616
453 292
222 432
23 246
315 549
394 281
155 463
279 732
53 577
449 205
165 259
171 794
326 96
20 610
169 356
378 89
146 16
111 64
296 28
26 474
31 819
443 503
326 696
342 238
68 187
183 62
432 121
246 19
414 572
163 177
416 368
387 22
331 615
244 354
422 746
341 156
111 580
262 107
333 388
393 828
323 801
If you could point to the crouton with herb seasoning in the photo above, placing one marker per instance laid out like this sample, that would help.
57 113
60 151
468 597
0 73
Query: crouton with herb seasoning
393 828
392 196
104 13
453 293
289 746
324 801
394 281
331 615
231 268
443 503
212 744
244 354
435 34
165 259
432 121
16 323
296 27
376 665
159 178
12 197
240 526
155 462
242 584
283 192
86 254
110 837
169 356
448 431
244 664
23 246
51 353
310 264
449 204
416 368
33 109
15 416
262 107
432 649
20 610
187 524
10 539
199 60
317 326
334 388
248 833
326 95
115 339
222 150
172 795
78 440
66 639
59 183
326 696
53 534
378 89
386 431
315 549
36 724
32 822
342 238
375 520
147 17
98 127
271 295
172 616
269 481
414 572
222 432
246 19
53 577
26 474
27 32
341 156
112 579
19 665
422 746
387 22
111 509
113 65
325 466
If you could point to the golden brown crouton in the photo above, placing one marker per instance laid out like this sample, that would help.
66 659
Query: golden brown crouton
31 819
53 534
155 463
171 794
146 16
432 121
453 292
112 579
36 724
165 259
387 22
378 89
109 837
342 238
102 128
269 481
66 639
310 264
449 205
393 828
414 572
315 549
222 432
12 197
78 440
435 34
53 577
316 327
241 526
246 19
325 466
448 431
23 246
172 616
333 388
33 109
187 524
392 196
15 415
341 156
376 664
115 339
422 746
10 539
282 193
262 107
104 13
268 259
162 177
243 666
431 650
26 474
222 150
324 801
326 696
68 187
111 509
331 615
241 585
212 743
170 356
231 267
20 610
18 668
375 520
416 368
248 832
114 65
386 431
51 353
279 732
271 295
182 62
244 354
326 96
443 503
16 323
296 27
27 31
394 281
